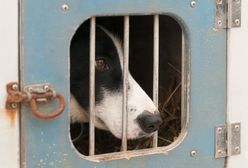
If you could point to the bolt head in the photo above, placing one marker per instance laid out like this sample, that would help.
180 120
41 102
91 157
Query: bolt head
219 22
221 152
15 86
30 89
237 22
219 130
65 7
14 105
47 87
237 127
237 148
219 1
193 153
237 1
193 4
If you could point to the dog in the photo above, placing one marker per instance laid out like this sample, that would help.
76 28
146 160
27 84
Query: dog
143 117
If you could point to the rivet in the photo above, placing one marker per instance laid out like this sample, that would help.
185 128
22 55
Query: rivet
14 105
237 127
219 130
65 7
193 4
219 22
193 153
237 1
46 87
30 89
237 149
237 22
15 87
219 1
221 152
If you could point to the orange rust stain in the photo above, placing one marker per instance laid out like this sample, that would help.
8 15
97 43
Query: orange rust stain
11 115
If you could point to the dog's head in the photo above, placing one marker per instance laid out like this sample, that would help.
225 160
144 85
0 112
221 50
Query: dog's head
143 117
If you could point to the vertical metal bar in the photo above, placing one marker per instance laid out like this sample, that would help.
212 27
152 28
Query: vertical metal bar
155 68
125 84
92 86
184 93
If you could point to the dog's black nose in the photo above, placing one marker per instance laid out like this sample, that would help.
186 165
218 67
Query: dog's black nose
149 122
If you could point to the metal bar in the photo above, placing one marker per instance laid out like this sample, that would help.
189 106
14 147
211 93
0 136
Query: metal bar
155 69
125 84
184 84
92 86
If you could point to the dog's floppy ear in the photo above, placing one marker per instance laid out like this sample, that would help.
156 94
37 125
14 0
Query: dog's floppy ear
112 24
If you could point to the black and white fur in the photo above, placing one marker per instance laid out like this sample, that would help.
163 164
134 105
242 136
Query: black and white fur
108 87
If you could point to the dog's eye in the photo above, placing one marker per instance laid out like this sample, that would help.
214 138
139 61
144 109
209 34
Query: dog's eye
101 65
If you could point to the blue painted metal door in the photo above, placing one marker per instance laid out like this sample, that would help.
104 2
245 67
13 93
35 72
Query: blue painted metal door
46 31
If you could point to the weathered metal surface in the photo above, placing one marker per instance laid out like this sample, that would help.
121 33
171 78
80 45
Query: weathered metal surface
46 35
51 115
32 95
234 139
9 120
235 13
14 97
221 14
221 141
228 13
227 140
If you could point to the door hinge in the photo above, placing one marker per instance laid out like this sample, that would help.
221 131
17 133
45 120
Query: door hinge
228 14
227 140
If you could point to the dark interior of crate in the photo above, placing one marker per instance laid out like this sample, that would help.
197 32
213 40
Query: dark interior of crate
141 67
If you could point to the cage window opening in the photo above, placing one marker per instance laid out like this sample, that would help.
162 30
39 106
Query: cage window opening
165 93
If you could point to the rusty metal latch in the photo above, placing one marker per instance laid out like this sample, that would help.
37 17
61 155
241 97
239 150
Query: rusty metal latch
33 94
